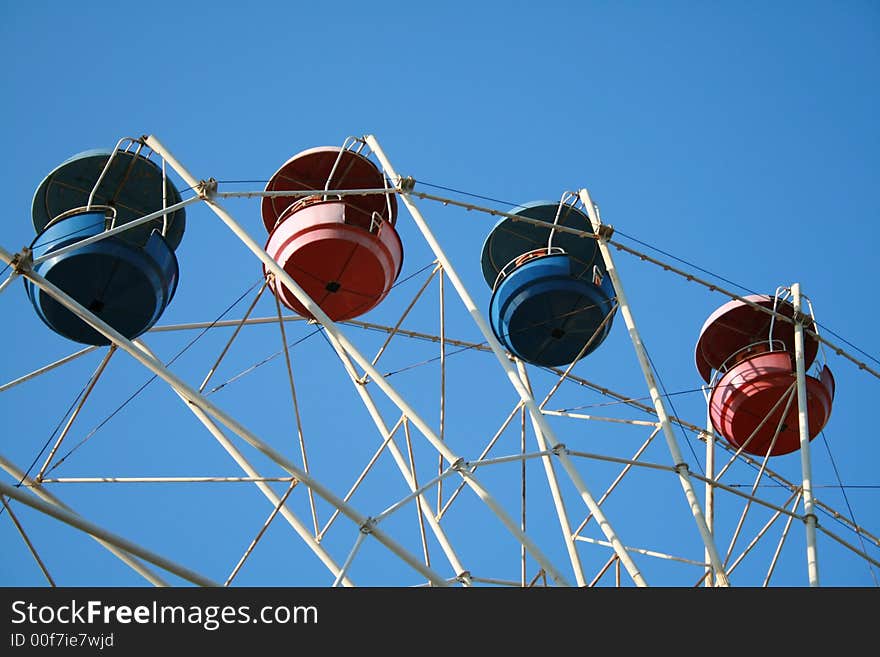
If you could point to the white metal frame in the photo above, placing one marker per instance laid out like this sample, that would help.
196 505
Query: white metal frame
550 448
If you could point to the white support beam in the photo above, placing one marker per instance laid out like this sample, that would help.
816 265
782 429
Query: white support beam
804 435
47 368
659 404
115 231
710 490
555 492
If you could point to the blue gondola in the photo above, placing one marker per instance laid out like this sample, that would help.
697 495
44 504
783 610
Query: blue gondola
552 300
128 279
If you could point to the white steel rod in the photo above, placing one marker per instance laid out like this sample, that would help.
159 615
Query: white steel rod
232 337
709 490
618 459
47 497
669 468
76 411
361 476
619 477
627 400
397 456
296 415
27 541
197 401
270 494
497 582
253 544
94 530
372 326
293 193
647 553
510 458
522 521
659 404
555 492
758 536
501 356
482 455
611 560
348 561
425 585
342 344
8 280
804 433
441 431
782 538
160 480
224 323
746 496
418 492
164 198
535 579
497 213
583 416
419 512
403 315
115 231
47 368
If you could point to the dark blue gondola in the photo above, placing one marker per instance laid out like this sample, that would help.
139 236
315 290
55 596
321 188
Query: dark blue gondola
128 279
551 295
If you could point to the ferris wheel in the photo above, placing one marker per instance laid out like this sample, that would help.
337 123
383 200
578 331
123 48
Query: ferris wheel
358 417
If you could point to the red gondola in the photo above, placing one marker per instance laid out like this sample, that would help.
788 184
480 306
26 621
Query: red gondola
747 358
343 250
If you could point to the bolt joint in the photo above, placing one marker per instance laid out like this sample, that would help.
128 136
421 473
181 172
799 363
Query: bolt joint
459 465
605 231
22 262
800 317
207 189
407 184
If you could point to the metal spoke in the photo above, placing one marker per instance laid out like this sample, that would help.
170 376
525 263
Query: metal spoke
91 386
234 335
47 368
250 548
27 541
419 510
296 415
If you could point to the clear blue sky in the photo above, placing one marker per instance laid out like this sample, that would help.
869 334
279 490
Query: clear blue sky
741 137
